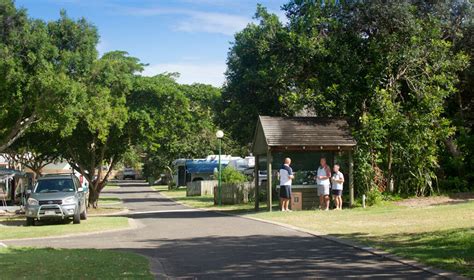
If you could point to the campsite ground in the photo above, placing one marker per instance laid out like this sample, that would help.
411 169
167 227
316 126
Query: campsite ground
49 263
438 231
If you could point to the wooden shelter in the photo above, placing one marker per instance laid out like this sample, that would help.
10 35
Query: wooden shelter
300 135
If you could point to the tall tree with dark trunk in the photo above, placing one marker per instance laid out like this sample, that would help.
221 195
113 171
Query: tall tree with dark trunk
39 81
102 136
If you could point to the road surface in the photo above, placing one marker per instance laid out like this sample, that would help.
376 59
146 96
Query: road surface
186 243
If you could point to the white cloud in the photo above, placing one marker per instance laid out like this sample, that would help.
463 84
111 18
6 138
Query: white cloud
206 73
195 21
212 23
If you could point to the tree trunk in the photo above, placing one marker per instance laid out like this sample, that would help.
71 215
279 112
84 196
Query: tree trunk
93 198
389 167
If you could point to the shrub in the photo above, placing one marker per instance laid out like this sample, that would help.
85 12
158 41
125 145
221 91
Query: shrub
374 197
230 175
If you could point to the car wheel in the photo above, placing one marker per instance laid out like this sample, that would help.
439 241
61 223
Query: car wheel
84 214
30 221
77 218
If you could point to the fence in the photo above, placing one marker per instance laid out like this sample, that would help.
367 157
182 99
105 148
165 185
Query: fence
200 188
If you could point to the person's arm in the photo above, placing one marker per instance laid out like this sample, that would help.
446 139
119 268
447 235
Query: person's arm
290 173
340 180
328 174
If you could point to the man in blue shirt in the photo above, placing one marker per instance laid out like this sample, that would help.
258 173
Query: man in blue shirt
286 177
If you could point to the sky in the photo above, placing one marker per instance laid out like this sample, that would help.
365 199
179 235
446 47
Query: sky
191 37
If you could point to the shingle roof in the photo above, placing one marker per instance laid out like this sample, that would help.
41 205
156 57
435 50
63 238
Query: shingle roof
306 131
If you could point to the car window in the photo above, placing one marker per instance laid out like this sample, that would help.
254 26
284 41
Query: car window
54 185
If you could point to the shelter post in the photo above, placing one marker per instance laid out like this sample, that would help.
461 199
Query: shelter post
257 187
269 180
351 178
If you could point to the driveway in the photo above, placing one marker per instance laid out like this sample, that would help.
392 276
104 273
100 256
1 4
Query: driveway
191 244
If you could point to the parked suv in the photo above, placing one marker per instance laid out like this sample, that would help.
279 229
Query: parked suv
56 197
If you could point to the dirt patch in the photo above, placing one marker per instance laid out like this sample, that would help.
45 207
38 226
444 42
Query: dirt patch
437 200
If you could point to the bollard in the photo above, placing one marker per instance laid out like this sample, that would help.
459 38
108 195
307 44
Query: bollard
363 201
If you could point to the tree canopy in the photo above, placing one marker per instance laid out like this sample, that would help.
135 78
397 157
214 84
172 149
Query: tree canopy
41 67
349 59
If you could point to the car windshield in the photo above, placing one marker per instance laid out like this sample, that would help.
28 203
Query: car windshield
54 185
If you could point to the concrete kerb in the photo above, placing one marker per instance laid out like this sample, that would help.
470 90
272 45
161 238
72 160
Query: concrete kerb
133 224
118 213
373 251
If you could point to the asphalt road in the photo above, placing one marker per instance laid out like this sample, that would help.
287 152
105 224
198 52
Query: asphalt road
186 243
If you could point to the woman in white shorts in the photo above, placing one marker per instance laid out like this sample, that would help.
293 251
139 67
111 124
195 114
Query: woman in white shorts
323 181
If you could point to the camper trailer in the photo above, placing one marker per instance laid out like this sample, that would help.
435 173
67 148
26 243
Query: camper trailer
13 186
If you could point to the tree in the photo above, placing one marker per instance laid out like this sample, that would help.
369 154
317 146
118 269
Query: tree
39 83
173 121
102 135
257 76
350 59
35 149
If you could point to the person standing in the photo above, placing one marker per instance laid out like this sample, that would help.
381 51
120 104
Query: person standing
337 185
286 178
323 181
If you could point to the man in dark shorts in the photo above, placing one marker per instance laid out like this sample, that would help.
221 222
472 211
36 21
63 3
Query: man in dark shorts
286 177
337 186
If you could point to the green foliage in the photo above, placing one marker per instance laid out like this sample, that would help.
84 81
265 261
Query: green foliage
40 72
257 78
232 176
374 197
103 134
390 80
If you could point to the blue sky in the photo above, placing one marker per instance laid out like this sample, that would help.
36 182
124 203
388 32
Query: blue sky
187 36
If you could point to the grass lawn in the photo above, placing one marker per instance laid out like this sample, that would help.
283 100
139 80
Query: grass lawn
108 200
206 202
14 228
441 236
111 186
48 263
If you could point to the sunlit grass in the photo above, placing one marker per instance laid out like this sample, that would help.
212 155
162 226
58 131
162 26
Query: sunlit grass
48 263
442 236
15 228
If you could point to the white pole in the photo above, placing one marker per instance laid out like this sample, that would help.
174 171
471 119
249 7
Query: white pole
363 201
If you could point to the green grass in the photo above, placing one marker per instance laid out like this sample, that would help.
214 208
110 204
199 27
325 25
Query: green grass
441 236
111 186
48 263
107 200
206 202
15 229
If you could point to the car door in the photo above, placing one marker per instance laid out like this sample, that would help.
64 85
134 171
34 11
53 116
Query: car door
80 195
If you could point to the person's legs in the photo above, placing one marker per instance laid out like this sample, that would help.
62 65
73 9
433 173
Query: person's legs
326 202
285 195
326 197
340 201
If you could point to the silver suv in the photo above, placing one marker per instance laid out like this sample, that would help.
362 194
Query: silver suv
56 197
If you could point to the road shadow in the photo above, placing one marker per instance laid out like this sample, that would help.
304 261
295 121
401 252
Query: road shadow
20 222
267 256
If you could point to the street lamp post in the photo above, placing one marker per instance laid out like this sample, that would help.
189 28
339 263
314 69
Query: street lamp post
219 135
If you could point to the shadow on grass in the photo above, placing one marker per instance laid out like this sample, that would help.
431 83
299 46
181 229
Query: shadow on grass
37 263
18 222
449 249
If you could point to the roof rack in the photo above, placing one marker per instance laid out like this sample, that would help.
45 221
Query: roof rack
57 174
